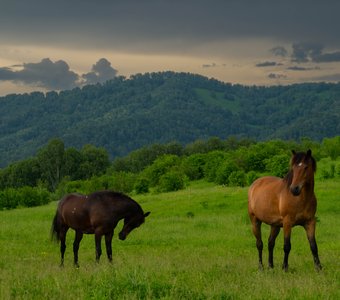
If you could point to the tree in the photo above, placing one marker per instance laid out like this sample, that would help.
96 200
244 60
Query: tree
95 161
51 161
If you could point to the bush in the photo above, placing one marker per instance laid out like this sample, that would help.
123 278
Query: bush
251 177
173 180
193 166
26 196
122 182
142 185
160 167
237 178
224 170
278 165
213 162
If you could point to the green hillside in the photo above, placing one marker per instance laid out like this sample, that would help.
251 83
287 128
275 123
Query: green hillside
125 114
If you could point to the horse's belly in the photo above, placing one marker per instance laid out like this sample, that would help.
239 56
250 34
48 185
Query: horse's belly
264 201
78 221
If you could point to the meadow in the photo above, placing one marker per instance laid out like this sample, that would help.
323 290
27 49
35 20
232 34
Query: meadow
196 244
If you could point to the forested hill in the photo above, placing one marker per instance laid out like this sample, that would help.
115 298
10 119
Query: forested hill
125 114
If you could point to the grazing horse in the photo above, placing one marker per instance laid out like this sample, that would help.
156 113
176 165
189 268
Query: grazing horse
285 202
98 214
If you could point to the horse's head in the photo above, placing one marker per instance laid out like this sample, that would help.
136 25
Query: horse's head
303 167
132 222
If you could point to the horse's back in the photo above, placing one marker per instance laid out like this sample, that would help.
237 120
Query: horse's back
264 199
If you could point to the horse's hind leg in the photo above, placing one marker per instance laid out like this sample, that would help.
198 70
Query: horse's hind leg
77 239
98 240
256 227
108 244
271 243
62 236
310 231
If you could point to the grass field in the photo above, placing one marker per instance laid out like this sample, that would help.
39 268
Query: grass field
196 244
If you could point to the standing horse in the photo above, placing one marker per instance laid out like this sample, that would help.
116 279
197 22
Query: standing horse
98 214
285 203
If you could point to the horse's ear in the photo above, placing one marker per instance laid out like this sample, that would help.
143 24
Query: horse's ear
146 214
293 151
309 153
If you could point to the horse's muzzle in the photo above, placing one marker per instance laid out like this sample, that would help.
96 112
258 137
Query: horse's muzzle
295 190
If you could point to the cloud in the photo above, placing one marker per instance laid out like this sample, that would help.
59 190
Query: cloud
101 72
296 68
267 64
313 52
212 65
276 76
327 57
279 51
306 51
166 26
47 74
56 75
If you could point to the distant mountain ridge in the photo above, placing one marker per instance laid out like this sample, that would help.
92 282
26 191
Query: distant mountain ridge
125 114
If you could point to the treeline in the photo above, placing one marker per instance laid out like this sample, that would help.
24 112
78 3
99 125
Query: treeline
57 170
124 114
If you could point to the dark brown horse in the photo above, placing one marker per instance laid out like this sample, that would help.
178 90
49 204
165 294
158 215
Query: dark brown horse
98 214
285 203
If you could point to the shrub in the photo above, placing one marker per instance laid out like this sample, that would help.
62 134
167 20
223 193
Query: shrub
278 165
213 161
26 196
173 180
224 170
122 182
237 178
251 177
142 185
193 166
160 167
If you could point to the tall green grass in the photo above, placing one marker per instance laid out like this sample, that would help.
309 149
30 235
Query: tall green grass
196 244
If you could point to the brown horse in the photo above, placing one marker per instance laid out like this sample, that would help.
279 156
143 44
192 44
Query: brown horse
98 214
285 203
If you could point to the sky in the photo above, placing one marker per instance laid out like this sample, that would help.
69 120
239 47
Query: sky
61 44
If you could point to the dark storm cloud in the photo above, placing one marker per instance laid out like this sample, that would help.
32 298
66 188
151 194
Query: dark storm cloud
47 74
101 72
267 64
298 68
279 51
305 52
57 75
276 76
166 26
328 57
313 52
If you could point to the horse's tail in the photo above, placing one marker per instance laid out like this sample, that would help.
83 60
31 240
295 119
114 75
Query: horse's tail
55 228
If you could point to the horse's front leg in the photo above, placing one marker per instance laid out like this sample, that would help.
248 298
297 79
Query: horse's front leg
275 230
108 244
77 239
310 231
287 229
